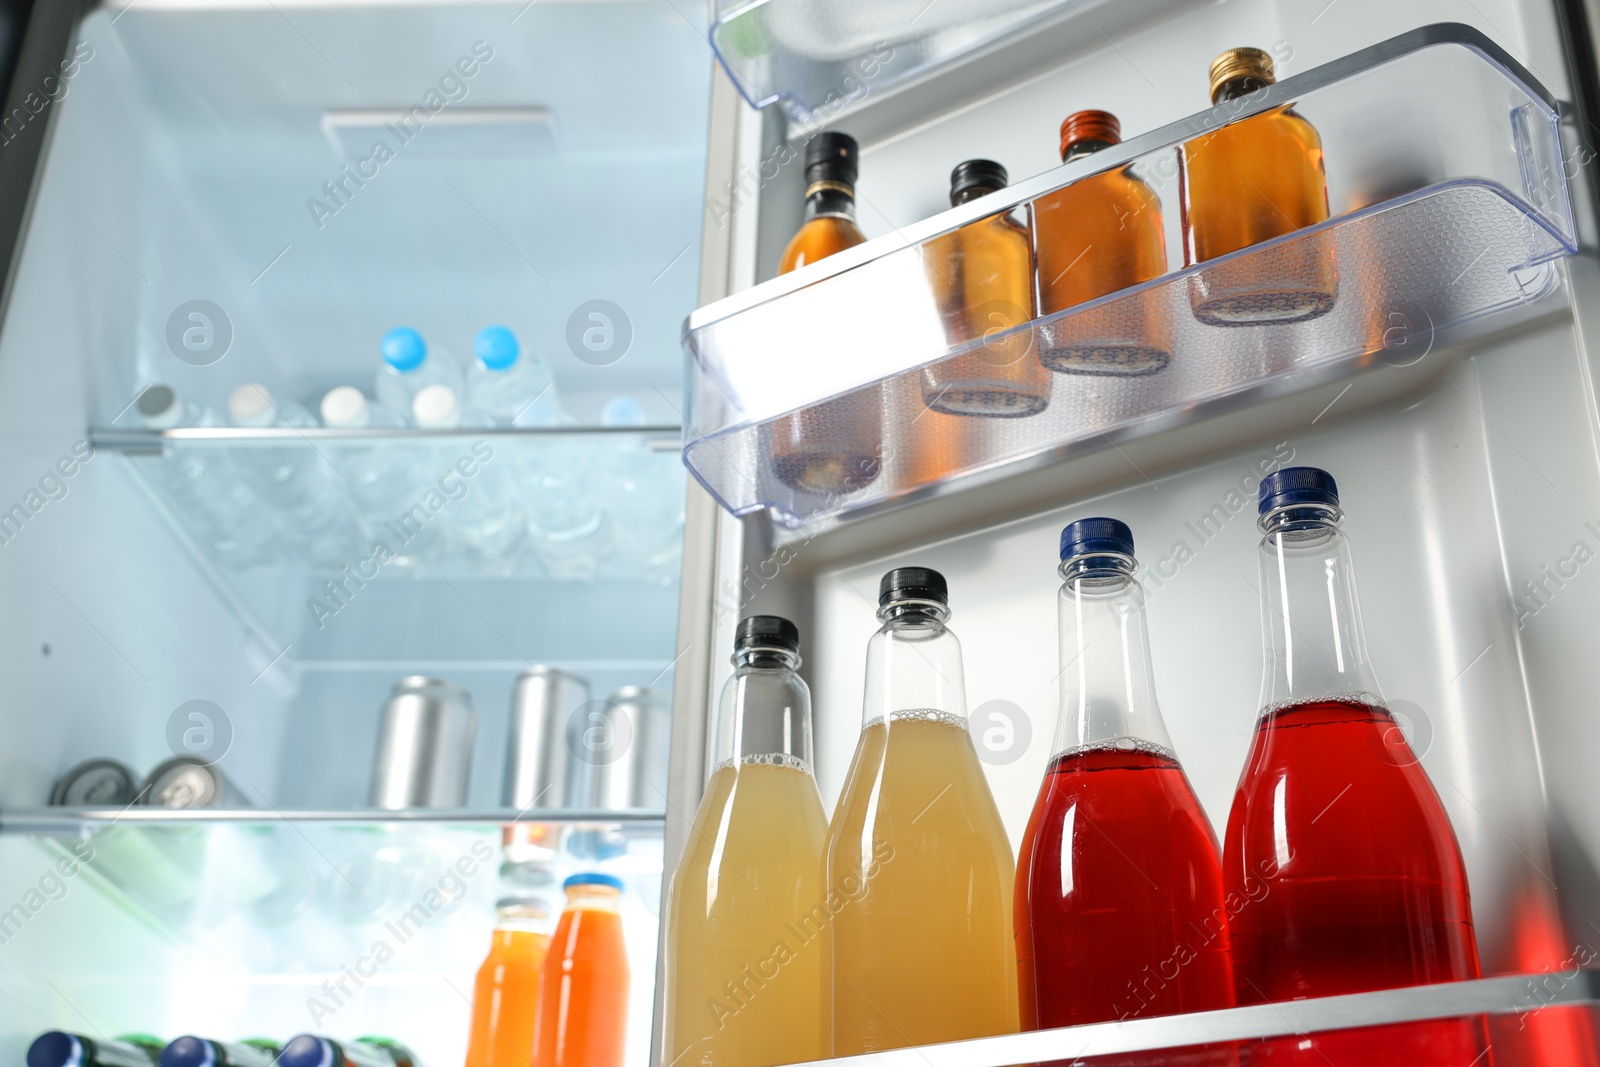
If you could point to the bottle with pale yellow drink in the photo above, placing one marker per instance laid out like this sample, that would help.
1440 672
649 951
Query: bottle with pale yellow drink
920 949
744 957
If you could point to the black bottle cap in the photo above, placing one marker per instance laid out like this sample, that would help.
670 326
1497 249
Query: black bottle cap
983 174
913 583
832 157
1096 537
1296 485
766 631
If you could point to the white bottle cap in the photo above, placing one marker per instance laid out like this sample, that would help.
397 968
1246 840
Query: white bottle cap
251 405
346 408
435 407
159 408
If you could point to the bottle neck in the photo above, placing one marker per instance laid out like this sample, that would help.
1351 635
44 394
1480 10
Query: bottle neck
765 712
914 666
971 192
1086 147
593 897
830 199
1108 690
1313 647
1234 88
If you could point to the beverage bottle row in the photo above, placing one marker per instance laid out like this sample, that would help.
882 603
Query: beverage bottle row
572 509
57 1048
554 1001
903 921
1239 185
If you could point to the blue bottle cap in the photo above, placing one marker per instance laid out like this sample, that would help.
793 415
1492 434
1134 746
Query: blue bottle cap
593 878
1296 485
622 411
404 349
496 347
307 1050
1094 537
55 1048
188 1051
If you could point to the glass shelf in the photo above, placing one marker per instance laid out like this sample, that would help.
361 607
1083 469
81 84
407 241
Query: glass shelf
1505 1003
813 58
59 821
1449 211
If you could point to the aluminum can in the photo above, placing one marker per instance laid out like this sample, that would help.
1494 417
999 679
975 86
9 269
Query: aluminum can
96 783
189 782
537 756
627 752
425 741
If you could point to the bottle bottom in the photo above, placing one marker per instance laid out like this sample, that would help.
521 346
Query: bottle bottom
1116 359
824 471
1260 307
986 400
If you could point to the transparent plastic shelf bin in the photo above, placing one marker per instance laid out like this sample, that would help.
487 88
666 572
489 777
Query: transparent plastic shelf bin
1448 200
815 58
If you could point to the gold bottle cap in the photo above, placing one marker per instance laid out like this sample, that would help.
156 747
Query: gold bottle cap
1240 63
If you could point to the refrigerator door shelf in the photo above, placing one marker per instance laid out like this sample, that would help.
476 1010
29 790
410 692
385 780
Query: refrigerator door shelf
1569 995
1443 215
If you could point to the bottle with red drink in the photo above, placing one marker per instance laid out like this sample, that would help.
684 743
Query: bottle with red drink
1119 904
1350 875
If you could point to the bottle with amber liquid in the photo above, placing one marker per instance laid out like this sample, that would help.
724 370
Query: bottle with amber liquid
1099 235
833 447
1248 182
982 281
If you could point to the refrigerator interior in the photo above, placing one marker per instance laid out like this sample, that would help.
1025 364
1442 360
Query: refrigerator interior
552 156
1468 471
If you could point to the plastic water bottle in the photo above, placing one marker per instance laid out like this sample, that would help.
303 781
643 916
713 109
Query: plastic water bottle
565 511
643 493
483 514
409 366
310 498
201 485
380 472
511 387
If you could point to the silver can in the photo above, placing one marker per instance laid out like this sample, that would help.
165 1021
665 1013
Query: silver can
625 748
96 783
189 782
537 757
425 740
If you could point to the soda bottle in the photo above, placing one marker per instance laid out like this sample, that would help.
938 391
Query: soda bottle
917 875
583 994
505 995
1349 873
57 1048
192 1051
312 1050
743 978
1119 904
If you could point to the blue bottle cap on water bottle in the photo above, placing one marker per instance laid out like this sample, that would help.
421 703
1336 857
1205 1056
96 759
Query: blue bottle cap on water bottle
593 878
55 1048
1096 537
404 349
307 1050
188 1051
496 347
1296 485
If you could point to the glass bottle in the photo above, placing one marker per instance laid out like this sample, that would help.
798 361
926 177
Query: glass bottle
1248 182
505 994
917 869
1337 841
57 1048
834 447
192 1051
1119 902
1099 235
582 1019
744 971
982 281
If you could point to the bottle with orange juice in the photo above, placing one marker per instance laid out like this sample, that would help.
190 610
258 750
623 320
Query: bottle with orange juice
506 993
582 1019
917 868
742 977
